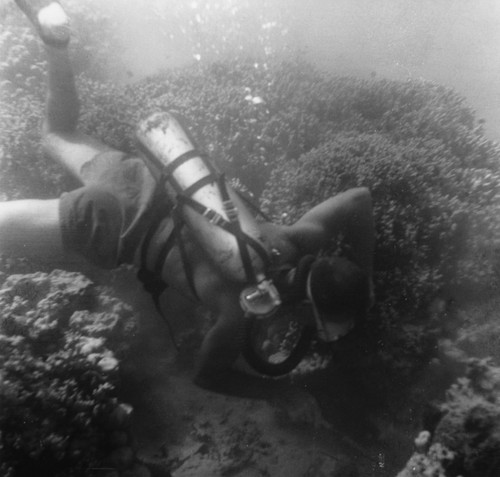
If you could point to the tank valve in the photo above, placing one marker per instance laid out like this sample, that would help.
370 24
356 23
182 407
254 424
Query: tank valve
260 300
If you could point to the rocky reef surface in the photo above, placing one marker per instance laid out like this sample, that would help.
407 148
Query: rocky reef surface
86 391
462 430
61 339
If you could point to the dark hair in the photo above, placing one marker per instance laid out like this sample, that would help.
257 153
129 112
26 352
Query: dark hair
339 285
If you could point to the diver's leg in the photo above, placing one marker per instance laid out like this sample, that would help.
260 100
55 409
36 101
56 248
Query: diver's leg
63 106
61 139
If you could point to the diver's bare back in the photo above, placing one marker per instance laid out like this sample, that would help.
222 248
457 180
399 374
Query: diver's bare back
207 277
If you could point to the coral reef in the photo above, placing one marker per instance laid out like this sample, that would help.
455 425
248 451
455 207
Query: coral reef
430 463
465 438
61 341
429 236
295 137
470 426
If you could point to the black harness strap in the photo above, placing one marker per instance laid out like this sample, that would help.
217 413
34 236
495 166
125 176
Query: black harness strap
243 240
152 282
237 232
188 269
170 168
164 251
215 218
244 197
153 228
208 179
232 225
150 156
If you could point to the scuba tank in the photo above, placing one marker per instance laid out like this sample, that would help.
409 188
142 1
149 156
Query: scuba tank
228 235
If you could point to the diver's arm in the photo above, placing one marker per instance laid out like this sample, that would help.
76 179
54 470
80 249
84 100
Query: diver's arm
223 345
231 382
30 228
216 373
221 348
348 215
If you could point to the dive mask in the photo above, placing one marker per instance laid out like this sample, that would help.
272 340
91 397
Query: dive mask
328 330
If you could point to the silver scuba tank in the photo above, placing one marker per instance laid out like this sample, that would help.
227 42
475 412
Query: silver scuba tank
207 206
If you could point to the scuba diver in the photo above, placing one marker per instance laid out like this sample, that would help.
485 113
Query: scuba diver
172 215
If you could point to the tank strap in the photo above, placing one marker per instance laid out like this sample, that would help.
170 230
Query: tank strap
170 168
258 211
164 251
232 215
233 228
232 225
188 269
184 197
208 179
147 240
152 281
215 218
214 176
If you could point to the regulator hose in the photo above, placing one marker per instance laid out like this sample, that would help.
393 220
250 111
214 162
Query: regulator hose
295 292
268 368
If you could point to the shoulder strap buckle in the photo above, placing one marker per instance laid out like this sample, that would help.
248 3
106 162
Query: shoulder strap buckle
213 217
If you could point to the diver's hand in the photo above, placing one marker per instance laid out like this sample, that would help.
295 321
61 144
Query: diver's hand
299 407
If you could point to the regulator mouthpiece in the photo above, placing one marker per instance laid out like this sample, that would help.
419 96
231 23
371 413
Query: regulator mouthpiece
260 300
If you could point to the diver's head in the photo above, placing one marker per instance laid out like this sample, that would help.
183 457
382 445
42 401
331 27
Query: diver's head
340 295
